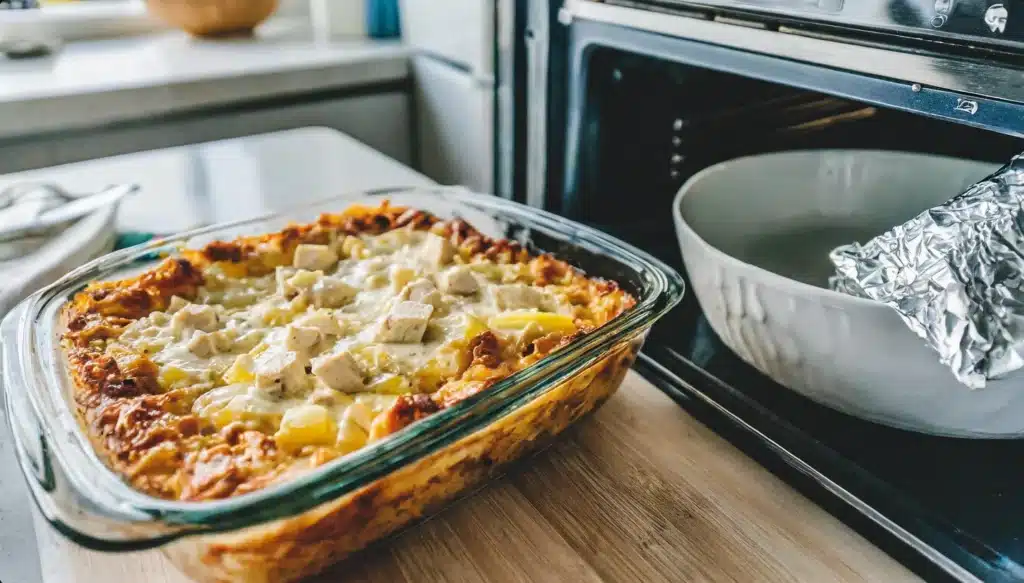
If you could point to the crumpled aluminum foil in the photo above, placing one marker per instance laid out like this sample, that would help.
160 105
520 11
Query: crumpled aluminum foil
955 274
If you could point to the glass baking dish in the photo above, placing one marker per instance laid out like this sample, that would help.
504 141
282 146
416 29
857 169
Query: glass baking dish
296 528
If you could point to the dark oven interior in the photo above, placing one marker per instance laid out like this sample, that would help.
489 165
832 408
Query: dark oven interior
648 125
644 126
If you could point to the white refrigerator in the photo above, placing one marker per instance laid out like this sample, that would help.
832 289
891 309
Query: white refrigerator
454 88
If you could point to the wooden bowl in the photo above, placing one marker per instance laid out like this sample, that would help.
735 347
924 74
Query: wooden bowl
213 17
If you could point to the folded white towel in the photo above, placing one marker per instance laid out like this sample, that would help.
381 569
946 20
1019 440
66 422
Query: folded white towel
36 264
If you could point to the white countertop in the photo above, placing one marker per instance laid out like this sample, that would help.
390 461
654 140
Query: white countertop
97 82
182 188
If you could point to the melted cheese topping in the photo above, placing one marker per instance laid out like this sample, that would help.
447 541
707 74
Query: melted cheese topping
313 352
230 367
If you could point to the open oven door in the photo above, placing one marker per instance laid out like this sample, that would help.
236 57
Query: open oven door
618 103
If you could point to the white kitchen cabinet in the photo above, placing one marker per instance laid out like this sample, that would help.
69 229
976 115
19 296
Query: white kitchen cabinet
453 70
454 125
458 31
381 121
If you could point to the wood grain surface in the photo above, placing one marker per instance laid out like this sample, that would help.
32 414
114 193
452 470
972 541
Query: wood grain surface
638 492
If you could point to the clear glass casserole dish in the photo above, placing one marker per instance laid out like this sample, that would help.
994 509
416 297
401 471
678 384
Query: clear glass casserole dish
291 530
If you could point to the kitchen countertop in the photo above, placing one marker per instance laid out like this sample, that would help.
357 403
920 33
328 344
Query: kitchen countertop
97 82
188 187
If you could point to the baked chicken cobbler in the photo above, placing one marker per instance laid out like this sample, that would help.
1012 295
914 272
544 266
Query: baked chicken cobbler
231 367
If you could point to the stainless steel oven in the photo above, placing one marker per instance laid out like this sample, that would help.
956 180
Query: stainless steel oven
611 105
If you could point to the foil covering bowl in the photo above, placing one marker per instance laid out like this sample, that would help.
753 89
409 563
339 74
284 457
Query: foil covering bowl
756 234
954 274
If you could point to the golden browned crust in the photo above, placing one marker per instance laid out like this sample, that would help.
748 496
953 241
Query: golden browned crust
148 434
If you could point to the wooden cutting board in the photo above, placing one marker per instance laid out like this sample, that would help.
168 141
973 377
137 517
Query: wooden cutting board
638 492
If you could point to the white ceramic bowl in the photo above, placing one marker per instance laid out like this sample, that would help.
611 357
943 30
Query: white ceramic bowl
755 234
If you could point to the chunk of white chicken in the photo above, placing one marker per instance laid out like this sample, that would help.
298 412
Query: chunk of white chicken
321 320
421 291
437 250
339 371
314 257
301 338
458 280
331 292
202 344
400 276
406 322
176 303
303 280
195 317
280 372
518 296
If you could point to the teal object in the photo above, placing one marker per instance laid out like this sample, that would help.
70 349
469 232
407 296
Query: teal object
382 20
131 239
